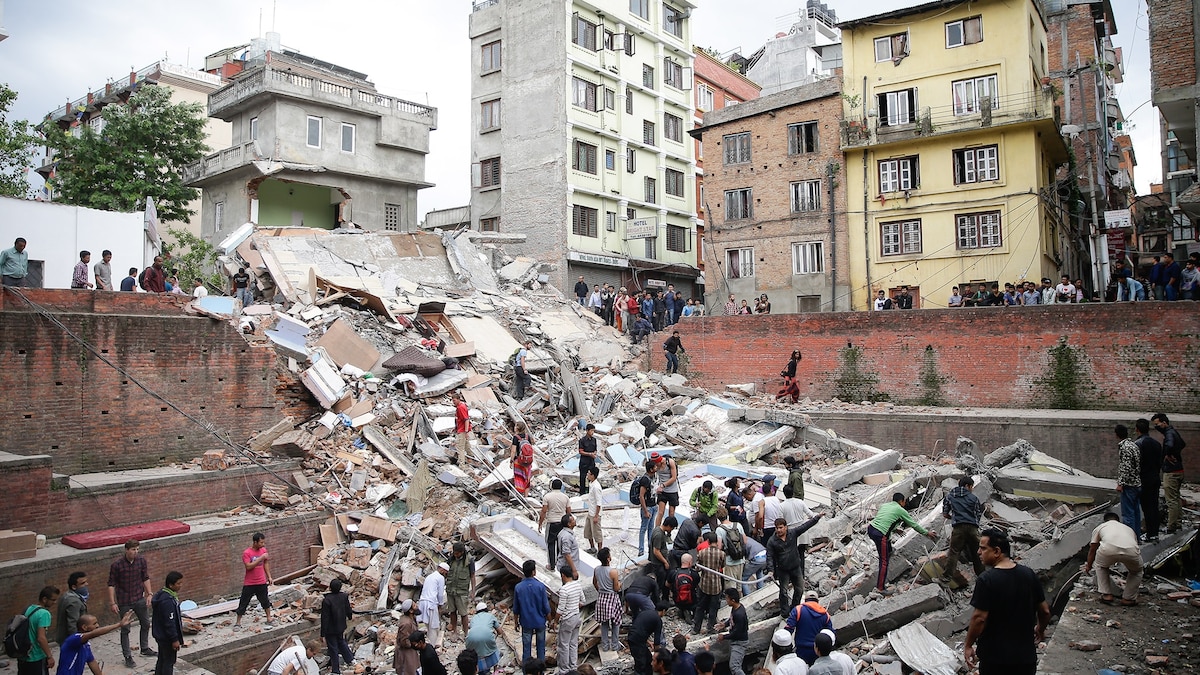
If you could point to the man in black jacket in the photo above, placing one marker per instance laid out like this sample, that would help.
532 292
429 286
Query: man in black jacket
581 291
783 554
431 664
660 311
335 612
904 300
167 623
671 349
1151 455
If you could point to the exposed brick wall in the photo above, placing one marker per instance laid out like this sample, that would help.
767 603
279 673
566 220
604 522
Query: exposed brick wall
55 506
1131 356
1173 41
210 561
89 417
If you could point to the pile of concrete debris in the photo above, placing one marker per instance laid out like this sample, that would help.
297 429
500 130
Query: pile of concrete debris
381 327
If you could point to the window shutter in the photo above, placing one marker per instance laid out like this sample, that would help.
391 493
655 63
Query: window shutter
575 28
630 44
686 85
476 175
598 38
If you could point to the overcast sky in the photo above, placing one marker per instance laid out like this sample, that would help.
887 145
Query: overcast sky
414 49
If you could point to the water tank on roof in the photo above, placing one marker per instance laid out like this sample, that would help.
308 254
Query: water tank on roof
258 47
273 42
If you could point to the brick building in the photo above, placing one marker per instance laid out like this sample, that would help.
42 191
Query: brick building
778 221
717 86
1084 68
1174 25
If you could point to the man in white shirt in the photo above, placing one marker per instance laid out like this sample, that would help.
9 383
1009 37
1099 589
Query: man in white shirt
754 511
1115 542
433 596
591 526
570 595
1064 292
840 658
295 659
786 660
199 291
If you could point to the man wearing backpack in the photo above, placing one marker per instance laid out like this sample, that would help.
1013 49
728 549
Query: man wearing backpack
684 584
641 493
805 621
733 542
37 660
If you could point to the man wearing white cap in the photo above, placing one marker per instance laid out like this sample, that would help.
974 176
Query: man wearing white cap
405 660
433 596
481 637
786 661
840 658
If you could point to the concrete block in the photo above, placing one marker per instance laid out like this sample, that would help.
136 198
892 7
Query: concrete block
679 390
1056 561
840 477
295 443
1019 449
214 460
881 616
1045 485
789 417
877 478
747 389
673 379
755 414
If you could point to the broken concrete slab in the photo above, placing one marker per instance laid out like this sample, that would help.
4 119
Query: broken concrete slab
887 614
680 390
443 382
1020 449
922 651
1059 487
839 478
1056 562
263 439
294 443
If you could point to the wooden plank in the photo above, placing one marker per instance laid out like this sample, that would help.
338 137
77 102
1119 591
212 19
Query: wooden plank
349 457
314 554
211 610
460 350
377 528
377 438
482 397
329 536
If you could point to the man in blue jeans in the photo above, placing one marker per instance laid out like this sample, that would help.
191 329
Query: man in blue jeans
1129 479
531 606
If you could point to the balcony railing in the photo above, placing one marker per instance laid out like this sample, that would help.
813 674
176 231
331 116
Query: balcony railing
218 162
481 4
285 82
984 112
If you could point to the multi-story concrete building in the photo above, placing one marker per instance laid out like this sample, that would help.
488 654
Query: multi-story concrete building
1085 68
579 140
187 85
717 85
952 148
778 224
313 144
1174 27
807 49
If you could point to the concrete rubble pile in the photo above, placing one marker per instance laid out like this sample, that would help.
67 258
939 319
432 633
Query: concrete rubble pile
381 328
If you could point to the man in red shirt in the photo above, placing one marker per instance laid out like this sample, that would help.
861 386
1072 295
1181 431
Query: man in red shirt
257 580
154 280
462 427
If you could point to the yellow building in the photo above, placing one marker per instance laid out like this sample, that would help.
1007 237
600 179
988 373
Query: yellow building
951 145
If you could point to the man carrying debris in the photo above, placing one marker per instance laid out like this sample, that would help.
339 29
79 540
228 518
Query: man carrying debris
521 379
667 477
785 558
462 428
433 596
482 638
531 606
1172 466
567 616
294 660
1010 608
963 509
887 518
555 505
1129 480
460 586
1115 542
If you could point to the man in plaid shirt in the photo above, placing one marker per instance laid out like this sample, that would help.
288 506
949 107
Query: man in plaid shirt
129 590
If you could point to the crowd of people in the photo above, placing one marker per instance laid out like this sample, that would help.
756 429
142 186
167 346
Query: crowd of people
637 314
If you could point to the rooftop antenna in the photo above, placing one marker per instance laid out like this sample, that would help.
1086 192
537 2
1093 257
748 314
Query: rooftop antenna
260 22
274 7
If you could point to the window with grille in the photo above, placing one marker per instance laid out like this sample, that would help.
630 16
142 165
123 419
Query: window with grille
673 127
674 186
610 160
583 221
978 230
628 100
897 107
971 95
583 33
976 165
641 8
964 32
489 115
806 196
673 21
672 73
704 98
737 148
808 258
489 60
630 160
583 93
610 221
219 215
489 172
808 303
314 132
489 224
900 237
647 76
391 217
648 132
651 186
899 174
738 204
678 239
740 263
584 157
802 138
891 48
651 248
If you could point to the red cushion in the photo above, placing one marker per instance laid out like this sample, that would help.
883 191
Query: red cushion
120 535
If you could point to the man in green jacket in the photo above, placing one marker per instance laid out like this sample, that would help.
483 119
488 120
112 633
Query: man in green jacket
887 518
460 587
706 501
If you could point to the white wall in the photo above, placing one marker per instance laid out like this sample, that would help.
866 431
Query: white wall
56 233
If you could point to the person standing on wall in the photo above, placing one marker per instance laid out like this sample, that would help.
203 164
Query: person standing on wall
79 276
129 589
257 581
168 624
103 272
671 348
14 264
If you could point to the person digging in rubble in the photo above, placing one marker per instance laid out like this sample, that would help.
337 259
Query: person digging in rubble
886 519
568 546
805 622
963 509
294 660
404 660
1115 542
482 638
555 505
784 557
433 597
460 586
1010 608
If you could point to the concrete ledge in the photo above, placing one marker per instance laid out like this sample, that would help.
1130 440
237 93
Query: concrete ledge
881 616
133 479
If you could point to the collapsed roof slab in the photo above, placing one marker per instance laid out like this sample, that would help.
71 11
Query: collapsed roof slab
887 614
1047 485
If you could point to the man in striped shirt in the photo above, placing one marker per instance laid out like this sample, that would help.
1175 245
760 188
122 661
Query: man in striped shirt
570 595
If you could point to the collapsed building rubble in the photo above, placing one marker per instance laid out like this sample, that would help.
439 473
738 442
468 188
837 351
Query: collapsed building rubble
380 328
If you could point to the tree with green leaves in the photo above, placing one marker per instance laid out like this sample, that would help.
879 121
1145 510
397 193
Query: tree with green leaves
17 144
195 259
141 152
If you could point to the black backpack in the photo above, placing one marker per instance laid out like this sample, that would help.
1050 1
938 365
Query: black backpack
735 545
635 490
17 642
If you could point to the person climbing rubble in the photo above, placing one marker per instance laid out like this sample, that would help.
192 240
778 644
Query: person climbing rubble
886 519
